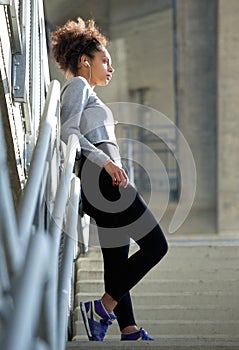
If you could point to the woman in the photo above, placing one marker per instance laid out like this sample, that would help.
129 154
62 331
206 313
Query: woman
119 211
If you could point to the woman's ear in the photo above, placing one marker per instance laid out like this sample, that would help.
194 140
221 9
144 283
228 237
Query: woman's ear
84 61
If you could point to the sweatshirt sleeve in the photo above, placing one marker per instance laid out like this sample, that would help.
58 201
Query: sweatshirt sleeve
74 98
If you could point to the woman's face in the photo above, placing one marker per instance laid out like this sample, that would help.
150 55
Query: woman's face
100 68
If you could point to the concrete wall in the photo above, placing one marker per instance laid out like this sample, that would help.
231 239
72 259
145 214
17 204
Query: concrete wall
197 70
142 49
142 53
228 116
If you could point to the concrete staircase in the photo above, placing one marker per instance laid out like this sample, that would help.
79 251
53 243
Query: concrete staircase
190 300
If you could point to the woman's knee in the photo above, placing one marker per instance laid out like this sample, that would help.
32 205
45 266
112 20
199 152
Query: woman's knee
159 250
164 247
155 243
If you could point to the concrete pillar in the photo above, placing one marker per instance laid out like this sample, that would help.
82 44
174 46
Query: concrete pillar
196 55
228 117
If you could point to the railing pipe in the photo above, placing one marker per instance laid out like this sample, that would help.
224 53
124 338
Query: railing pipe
62 192
9 232
67 262
29 200
61 198
28 295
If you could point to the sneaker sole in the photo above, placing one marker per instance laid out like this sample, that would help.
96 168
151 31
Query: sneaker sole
85 320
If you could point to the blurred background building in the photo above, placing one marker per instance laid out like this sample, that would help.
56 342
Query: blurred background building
181 59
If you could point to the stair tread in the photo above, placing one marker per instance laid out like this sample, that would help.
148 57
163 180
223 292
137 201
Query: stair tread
182 307
183 321
162 344
161 294
203 300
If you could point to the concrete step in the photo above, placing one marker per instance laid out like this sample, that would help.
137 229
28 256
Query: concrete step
176 285
197 262
164 344
189 300
189 249
170 298
173 273
177 312
182 327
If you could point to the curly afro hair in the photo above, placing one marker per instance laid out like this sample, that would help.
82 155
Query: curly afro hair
73 40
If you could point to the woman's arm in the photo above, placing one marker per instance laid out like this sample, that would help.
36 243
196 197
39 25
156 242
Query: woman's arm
74 99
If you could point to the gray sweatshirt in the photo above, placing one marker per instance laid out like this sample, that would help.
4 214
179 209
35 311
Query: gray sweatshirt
84 114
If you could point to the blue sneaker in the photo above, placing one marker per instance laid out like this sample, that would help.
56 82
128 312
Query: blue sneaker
96 319
136 336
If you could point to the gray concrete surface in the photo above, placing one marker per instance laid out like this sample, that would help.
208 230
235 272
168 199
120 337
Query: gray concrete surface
190 300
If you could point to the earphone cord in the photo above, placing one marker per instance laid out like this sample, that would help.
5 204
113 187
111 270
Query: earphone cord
90 73
89 80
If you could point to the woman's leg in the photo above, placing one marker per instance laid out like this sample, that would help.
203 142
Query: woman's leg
153 248
125 314
131 219
115 229
114 258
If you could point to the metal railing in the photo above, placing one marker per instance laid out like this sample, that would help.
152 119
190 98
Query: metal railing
39 240
34 294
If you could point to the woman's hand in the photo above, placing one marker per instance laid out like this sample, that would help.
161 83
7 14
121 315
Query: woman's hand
118 175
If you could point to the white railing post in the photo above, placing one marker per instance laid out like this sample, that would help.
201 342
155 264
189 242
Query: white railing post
8 228
61 198
24 318
67 262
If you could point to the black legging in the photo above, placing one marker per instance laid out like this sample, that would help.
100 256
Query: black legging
121 214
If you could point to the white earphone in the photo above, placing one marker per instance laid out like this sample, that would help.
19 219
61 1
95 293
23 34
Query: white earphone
87 64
